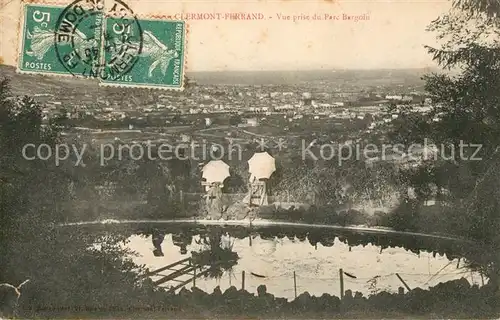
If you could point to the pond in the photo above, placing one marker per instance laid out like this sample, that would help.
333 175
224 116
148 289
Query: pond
271 253
273 263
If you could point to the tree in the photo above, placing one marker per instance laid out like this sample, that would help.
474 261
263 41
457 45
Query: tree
235 120
466 111
30 244
466 106
491 8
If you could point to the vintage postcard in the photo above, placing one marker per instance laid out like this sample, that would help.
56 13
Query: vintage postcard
257 159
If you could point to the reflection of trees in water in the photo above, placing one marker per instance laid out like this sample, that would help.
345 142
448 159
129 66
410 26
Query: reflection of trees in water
211 237
217 253
180 239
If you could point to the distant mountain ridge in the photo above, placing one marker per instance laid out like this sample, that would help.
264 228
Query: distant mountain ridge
300 76
30 84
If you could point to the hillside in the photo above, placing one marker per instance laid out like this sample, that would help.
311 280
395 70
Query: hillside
72 91
27 84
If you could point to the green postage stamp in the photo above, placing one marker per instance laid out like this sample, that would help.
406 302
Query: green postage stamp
105 41
37 53
161 60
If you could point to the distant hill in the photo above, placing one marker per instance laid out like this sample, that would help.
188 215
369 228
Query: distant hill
370 77
31 84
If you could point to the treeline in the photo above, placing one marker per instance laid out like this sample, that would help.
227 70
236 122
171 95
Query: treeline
61 266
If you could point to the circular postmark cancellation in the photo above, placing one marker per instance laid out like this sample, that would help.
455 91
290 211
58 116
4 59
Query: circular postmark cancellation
95 39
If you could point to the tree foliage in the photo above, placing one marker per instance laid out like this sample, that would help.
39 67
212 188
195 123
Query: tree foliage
463 123
490 8
65 266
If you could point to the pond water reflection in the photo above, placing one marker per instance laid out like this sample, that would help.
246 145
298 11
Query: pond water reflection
273 262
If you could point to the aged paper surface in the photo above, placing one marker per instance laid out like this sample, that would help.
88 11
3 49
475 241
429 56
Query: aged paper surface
256 159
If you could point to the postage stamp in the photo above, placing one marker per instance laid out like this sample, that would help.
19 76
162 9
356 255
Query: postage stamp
161 61
37 53
104 41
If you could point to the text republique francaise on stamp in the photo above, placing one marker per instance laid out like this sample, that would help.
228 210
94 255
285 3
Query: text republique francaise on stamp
102 40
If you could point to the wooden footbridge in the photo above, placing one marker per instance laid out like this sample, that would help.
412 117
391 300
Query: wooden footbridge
177 270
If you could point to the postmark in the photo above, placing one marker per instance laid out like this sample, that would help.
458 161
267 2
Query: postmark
103 40
86 47
161 63
71 40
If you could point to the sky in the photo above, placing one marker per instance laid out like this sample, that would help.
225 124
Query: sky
393 37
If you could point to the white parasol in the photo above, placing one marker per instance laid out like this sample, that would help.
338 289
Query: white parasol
215 171
261 165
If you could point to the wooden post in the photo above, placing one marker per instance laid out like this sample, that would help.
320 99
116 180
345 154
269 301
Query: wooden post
243 280
181 199
341 275
404 283
295 284
194 277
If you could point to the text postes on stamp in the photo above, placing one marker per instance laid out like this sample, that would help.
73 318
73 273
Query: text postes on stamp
37 51
161 61
104 40
123 42
85 48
